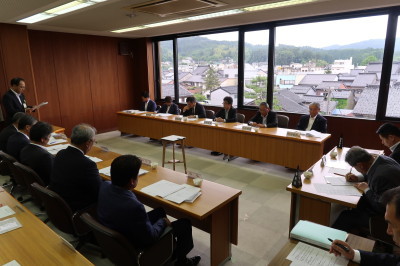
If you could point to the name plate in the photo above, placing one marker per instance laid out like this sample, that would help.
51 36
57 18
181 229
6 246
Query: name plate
193 175
146 161
295 134
208 122
178 118
247 128
149 114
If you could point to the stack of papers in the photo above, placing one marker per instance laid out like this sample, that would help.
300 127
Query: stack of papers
6 211
94 159
173 138
163 114
53 140
337 190
56 148
312 133
9 225
107 171
304 254
173 192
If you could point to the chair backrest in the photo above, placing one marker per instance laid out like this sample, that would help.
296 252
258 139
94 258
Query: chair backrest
58 211
9 161
210 114
283 121
29 176
240 117
158 107
116 247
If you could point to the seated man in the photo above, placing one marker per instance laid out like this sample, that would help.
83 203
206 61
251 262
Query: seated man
19 140
10 130
147 104
119 209
75 177
380 174
390 137
35 154
264 117
193 108
169 107
391 198
313 121
228 115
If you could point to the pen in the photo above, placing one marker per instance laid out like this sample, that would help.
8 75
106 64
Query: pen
340 245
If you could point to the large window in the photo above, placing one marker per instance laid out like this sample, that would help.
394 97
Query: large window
336 63
166 66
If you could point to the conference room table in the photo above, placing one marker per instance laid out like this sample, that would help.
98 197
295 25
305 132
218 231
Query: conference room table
34 243
309 204
271 145
215 211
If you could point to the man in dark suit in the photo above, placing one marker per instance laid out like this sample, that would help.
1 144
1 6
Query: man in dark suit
313 121
119 209
10 130
228 113
169 107
75 177
391 198
147 104
390 137
14 99
193 108
264 117
380 173
35 154
20 139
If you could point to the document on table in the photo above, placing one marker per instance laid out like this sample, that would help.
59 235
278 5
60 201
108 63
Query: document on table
338 164
337 181
56 148
173 192
188 193
6 211
337 190
312 133
304 254
53 140
94 159
338 171
107 171
133 111
9 225
12 263
162 114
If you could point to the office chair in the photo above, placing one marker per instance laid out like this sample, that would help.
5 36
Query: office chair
29 177
16 179
121 252
240 118
210 114
283 121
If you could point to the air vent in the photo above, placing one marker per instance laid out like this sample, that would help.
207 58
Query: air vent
164 8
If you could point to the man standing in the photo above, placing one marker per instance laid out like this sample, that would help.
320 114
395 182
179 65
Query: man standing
14 99
169 107
147 104
193 108
390 137
313 121
264 117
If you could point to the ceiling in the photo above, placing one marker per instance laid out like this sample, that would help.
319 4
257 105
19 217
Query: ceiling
104 17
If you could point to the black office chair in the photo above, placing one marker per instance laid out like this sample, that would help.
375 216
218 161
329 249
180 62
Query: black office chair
210 114
240 117
29 177
121 252
158 107
283 121
16 179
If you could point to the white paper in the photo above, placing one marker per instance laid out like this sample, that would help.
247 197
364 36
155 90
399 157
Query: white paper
107 171
304 254
338 171
162 114
188 193
337 181
312 133
56 148
337 190
39 105
162 188
12 263
6 211
132 111
338 164
9 225
53 140
173 138
94 159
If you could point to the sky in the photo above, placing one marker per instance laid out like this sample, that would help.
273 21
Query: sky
321 34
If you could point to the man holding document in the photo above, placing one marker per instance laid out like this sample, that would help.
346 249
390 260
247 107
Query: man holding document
119 209
391 199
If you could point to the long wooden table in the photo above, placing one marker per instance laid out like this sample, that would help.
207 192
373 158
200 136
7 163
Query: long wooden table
355 242
269 145
215 211
34 243
308 204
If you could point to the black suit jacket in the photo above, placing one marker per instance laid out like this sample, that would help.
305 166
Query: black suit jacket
5 134
394 155
16 143
373 259
231 115
12 105
75 178
173 109
272 120
320 123
198 110
39 159
151 106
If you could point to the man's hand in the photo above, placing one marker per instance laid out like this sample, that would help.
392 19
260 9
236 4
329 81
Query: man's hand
219 119
351 177
361 186
338 251
186 108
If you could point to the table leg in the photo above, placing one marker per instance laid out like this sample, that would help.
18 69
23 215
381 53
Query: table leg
183 154
221 226
173 154
163 153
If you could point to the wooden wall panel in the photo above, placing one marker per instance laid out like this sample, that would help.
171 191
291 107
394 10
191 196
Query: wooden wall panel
41 44
126 82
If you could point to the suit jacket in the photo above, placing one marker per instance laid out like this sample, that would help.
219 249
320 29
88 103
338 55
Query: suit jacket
120 210
198 110
16 143
151 106
320 123
75 178
272 120
231 115
39 159
373 259
394 155
12 105
383 175
173 109
5 134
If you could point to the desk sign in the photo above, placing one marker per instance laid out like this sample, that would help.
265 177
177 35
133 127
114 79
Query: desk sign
146 161
178 118
150 114
247 128
208 122
295 134
193 175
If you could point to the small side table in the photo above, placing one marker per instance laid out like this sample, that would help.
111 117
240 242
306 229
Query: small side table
174 140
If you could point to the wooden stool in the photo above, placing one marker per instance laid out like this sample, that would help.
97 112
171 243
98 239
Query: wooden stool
174 139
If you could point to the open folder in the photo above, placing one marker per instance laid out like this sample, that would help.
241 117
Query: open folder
173 192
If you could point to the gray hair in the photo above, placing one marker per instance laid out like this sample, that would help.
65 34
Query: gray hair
357 155
264 104
82 133
316 105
